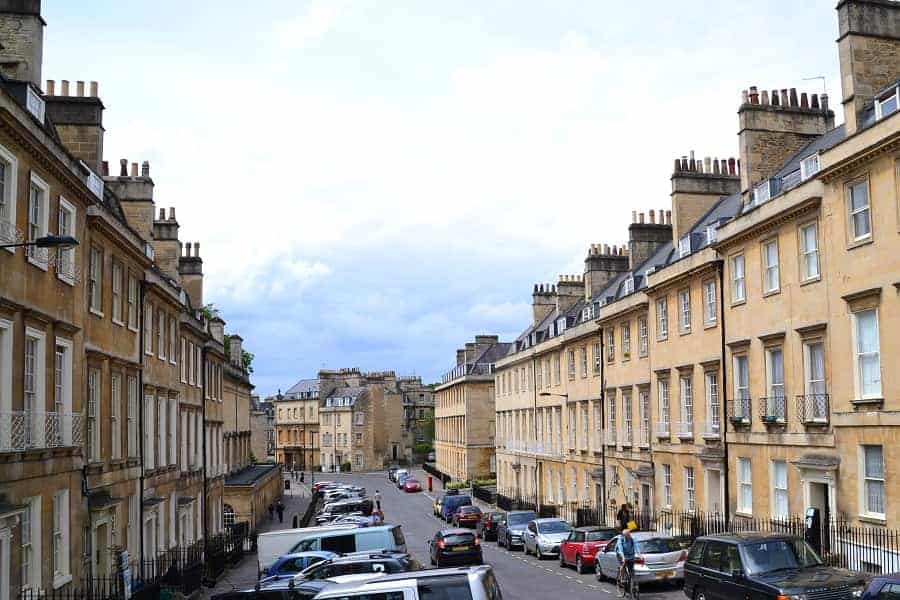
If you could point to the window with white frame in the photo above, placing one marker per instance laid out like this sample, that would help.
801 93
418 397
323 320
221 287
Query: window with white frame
644 405
190 361
741 386
148 329
611 418
161 334
684 310
814 367
30 552
597 358
627 416
690 497
360 417
173 340
809 166
710 309
859 214
745 486
887 104
687 401
626 340
667 485
6 365
132 392
738 282
868 353
95 280
132 302
712 400
770 266
60 540
573 483
610 345
873 500
116 292
173 430
183 360
662 389
65 226
598 425
779 489
775 372
809 252
199 360
584 362
662 319
33 386
38 214
561 495
8 180
570 355
585 426
115 424
149 450
93 415
62 391
643 336
571 426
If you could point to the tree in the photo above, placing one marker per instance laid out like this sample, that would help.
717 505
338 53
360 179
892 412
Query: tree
428 428
210 311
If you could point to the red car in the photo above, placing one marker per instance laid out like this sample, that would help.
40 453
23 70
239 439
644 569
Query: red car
582 546
317 486
467 516
412 485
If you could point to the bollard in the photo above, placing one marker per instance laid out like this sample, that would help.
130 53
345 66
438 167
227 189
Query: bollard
429 483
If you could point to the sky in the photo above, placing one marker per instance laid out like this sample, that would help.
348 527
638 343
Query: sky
373 183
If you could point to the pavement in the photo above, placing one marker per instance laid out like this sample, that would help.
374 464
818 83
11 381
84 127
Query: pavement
243 575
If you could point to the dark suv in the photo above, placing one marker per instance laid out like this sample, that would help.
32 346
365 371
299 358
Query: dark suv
763 566
359 563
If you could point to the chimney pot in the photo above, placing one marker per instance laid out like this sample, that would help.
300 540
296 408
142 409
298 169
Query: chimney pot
677 165
134 169
785 99
51 87
775 99
65 87
123 167
754 95
79 88
824 102
814 102
652 216
794 97
707 165
171 213
162 214
606 249
716 170
95 89
804 101
634 216
731 166
641 218
197 249
692 164
668 217
764 97
745 97
737 167
145 168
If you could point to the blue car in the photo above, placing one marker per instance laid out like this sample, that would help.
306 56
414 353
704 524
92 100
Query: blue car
883 586
290 564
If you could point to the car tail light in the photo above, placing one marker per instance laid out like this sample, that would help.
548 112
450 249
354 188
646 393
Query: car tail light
683 556
441 544
477 541
638 560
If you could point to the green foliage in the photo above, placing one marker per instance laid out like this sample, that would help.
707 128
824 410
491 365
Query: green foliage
346 466
429 428
485 482
209 311
456 485
422 448
247 361
253 460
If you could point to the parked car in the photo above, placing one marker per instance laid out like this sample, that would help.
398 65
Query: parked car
333 510
379 538
581 546
477 583
273 544
400 473
288 589
452 502
509 533
659 558
459 546
319 485
431 457
543 536
351 519
764 566
487 526
467 516
350 564
883 587
392 470
289 565
412 485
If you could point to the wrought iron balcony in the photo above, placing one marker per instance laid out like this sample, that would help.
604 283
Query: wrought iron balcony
773 410
26 430
739 412
813 409
530 447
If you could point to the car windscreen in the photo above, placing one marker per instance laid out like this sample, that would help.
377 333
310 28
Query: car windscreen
657 546
466 510
520 518
459 538
777 555
554 527
445 587
601 535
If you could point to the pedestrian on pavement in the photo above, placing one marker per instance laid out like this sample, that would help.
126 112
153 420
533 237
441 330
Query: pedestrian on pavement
623 516
271 511
295 523
280 508
378 499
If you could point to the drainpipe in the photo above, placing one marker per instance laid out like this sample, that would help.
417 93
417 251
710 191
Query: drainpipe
141 403
603 425
723 418
537 462
204 459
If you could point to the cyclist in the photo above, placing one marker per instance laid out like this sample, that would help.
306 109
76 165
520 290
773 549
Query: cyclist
625 552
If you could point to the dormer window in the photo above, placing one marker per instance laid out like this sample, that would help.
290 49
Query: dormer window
684 246
887 104
711 233
629 285
809 166
35 104
761 193
560 325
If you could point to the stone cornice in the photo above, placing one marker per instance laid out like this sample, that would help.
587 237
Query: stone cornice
789 213
850 164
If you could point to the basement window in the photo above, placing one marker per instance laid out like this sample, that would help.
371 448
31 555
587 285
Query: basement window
887 104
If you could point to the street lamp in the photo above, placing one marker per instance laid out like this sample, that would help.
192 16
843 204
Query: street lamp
60 242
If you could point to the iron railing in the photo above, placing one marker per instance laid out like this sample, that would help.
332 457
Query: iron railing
739 411
27 429
813 409
773 410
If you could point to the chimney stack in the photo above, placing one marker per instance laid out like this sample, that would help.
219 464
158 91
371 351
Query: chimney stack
543 301
190 270
136 198
22 51
693 194
166 247
235 348
600 267
868 47
78 120
644 238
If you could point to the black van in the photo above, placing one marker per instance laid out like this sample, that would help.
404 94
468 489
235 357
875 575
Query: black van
763 566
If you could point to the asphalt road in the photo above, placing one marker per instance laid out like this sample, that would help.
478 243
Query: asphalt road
521 577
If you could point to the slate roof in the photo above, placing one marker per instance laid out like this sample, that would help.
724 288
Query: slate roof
249 475
304 385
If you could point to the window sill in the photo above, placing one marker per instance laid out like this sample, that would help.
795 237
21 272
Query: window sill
860 242
867 402
148 353
96 313
61 580
815 279
133 329
663 338
36 263
774 292
873 519
738 302
70 281
710 324
745 514
683 332
118 322
10 250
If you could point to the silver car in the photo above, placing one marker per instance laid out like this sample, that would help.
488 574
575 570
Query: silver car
659 558
543 536
477 583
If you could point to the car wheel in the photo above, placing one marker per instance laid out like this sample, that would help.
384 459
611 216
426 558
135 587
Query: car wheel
598 570
579 565
562 561
431 560
699 595
537 552
499 541
437 561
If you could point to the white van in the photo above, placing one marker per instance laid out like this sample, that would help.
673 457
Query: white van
273 544
382 537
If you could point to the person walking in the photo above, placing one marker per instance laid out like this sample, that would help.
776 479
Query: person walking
623 516
280 508
378 499
271 511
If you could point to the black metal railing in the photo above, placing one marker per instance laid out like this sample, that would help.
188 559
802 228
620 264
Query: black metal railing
739 411
773 410
431 469
812 409
485 493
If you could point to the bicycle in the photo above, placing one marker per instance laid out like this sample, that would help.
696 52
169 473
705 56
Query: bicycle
625 582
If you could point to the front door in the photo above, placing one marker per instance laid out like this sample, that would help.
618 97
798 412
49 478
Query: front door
713 490
100 544
819 498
